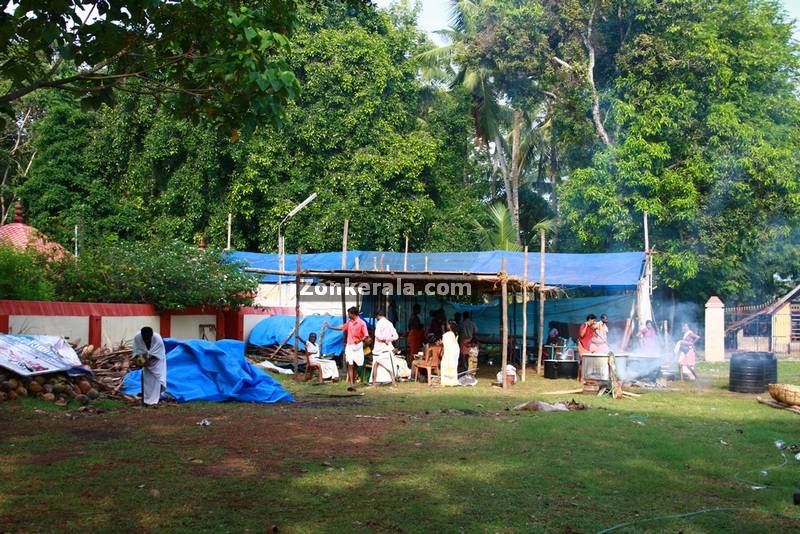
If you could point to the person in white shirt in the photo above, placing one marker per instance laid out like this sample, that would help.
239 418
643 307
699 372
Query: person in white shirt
150 346
328 367
383 357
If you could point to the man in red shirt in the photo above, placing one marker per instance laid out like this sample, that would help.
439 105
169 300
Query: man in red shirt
585 335
356 333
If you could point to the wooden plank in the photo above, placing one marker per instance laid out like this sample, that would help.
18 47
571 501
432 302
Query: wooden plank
525 315
297 312
504 336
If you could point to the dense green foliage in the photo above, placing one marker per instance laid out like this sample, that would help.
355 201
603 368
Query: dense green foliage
23 275
169 275
588 113
223 61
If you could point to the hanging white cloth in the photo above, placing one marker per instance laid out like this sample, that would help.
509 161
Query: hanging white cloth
154 374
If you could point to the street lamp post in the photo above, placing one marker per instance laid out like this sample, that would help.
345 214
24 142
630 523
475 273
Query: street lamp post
282 241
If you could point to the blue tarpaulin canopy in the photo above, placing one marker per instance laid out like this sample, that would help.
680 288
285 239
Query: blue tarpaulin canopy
605 270
212 371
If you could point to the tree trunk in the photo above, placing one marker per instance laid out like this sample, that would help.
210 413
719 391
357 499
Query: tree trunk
516 172
598 122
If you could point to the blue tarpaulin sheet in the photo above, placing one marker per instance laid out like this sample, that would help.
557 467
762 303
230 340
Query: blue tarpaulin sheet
602 270
274 329
200 370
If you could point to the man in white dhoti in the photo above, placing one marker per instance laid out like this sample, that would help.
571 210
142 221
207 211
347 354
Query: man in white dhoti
383 358
150 346
327 367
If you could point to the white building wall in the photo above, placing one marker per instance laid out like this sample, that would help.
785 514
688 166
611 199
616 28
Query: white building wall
74 329
273 295
188 326
120 330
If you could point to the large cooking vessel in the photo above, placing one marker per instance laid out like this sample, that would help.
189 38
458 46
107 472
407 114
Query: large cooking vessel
629 366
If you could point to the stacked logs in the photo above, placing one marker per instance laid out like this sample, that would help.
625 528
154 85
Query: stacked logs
109 367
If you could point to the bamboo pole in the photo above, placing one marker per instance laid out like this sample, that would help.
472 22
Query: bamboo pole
525 315
345 231
541 301
405 257
297 311
230 219
344 320
504 336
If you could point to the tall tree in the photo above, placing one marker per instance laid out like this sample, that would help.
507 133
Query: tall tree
221 60
706 115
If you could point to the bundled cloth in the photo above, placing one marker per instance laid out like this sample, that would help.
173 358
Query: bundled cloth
212 371
510 371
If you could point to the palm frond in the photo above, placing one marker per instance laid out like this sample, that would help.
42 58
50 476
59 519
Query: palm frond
498 233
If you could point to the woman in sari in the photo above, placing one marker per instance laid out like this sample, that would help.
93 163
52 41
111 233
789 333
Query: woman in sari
687 357
449 364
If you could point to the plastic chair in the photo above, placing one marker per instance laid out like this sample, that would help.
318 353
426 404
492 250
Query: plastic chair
429 362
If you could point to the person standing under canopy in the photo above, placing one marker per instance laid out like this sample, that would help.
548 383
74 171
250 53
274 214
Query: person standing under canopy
467 331
585 335
599 343
449 364
150 346
356 333
416 334
648 338
383 359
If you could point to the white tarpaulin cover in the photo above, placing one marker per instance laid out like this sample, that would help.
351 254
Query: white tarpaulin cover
35 355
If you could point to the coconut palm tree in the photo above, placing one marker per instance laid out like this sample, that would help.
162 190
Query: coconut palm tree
499 232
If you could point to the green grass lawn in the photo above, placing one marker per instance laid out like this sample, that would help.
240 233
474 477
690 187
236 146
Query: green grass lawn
406 459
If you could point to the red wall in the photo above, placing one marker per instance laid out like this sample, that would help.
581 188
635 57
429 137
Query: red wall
229 324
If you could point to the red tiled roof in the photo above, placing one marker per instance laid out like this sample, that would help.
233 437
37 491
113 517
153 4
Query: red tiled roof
22 237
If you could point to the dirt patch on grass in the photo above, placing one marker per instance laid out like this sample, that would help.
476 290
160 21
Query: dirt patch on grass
49 458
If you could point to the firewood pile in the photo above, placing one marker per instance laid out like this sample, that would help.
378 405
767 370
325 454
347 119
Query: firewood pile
276 354
109 366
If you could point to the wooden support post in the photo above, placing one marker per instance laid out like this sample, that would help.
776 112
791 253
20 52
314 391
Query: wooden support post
405 256
230 218
344 243
296 312
344 320
541 302
504 336
525 314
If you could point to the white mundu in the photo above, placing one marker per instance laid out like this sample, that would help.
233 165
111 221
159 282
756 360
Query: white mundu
154 375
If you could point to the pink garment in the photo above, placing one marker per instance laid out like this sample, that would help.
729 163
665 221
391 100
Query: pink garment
356 330
688 355
648 340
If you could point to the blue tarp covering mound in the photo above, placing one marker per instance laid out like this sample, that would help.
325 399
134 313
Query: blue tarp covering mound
274 329
212 371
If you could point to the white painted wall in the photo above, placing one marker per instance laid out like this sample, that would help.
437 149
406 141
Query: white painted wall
74 329
273 295
122 329
249 322
188 326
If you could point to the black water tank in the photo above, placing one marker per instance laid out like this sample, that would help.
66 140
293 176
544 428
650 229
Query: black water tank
752 371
